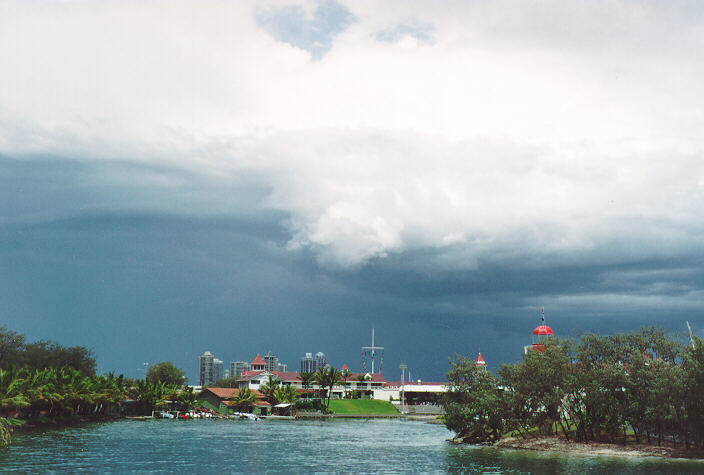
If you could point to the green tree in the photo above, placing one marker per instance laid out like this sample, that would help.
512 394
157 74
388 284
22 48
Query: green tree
693 395
11 344
327 378
165 372
269 389
243 400
307 379
48 354
537 387
232 382
14 351
472 403
344 376
285 393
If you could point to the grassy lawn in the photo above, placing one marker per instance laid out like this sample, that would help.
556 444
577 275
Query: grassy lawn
361 406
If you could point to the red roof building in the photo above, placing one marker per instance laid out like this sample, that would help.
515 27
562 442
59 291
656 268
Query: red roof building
258 364
479 360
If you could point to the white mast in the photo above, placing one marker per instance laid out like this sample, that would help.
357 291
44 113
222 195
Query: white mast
691 336
371 350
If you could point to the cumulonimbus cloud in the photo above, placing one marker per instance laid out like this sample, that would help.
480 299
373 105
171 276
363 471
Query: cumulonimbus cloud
544 131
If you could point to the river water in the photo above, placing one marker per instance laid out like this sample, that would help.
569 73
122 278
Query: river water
206 446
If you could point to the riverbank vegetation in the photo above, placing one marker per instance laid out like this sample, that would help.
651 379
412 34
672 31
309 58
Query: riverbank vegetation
643 387
46 383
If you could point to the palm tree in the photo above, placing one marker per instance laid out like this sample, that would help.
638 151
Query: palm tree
186 398
58 391
333 379
286 393
344 374
269 389
11 394
243 399
327 378
307 378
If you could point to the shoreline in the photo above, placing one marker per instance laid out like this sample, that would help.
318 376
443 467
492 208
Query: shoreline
556 444
432 419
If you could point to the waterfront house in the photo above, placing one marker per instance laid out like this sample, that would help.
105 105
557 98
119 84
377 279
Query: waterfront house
364 384
219 400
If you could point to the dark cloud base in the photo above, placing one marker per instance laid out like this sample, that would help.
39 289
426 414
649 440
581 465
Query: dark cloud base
83 264
148 288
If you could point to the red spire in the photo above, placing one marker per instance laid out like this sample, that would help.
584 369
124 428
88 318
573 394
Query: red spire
479 360
258 360
344 367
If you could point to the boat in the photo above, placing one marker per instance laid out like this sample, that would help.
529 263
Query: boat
245 416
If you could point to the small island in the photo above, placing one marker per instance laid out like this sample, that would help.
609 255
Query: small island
638 393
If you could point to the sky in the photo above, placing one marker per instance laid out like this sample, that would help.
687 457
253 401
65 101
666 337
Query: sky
244 177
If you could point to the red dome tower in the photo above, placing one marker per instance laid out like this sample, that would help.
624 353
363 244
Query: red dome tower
541 334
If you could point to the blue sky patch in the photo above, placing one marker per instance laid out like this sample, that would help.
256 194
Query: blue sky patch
423 32
315 34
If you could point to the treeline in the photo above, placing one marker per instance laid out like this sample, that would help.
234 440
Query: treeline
643 385
15 352
45 381
52 393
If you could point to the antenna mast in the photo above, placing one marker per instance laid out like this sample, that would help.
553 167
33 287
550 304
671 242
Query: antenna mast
372 352
691 336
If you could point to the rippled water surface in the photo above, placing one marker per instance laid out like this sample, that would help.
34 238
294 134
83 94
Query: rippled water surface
289 446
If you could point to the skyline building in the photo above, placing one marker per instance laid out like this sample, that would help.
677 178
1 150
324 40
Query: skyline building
239 367
307 363
218 370
320 361
205 369
273 363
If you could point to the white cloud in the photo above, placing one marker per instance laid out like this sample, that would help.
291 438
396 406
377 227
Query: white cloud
544 129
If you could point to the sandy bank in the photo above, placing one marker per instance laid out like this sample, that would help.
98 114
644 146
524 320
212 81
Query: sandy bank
560 445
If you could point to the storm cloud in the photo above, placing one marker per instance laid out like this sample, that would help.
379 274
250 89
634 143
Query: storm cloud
316 168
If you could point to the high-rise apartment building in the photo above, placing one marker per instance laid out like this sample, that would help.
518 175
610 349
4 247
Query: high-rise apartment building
320 361
218 370
272 362
239 367
307 363
206 375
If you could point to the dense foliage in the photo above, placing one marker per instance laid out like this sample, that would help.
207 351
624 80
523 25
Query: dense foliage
472 406
165 372
600 388
244 400
64 393
15 352
45 381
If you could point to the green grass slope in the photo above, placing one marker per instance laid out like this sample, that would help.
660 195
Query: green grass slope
361 406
